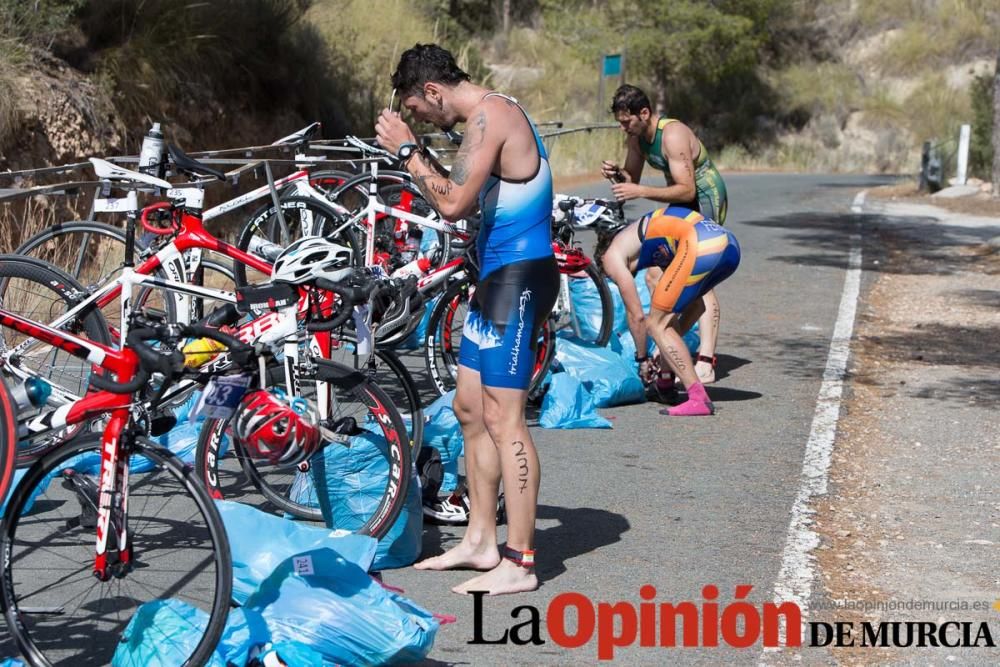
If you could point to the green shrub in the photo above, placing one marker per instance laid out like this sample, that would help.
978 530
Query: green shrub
981 148
936 110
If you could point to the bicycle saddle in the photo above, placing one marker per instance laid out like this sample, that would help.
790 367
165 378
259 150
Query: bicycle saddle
107 171
305 134
190 166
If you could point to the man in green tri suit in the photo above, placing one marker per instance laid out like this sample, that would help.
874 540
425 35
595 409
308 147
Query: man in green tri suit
692 180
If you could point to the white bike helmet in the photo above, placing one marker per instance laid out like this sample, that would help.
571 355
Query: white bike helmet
312 257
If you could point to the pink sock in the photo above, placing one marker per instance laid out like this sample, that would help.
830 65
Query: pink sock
697 404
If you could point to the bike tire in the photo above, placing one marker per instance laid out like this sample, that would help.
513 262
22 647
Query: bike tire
264 224
33 541
352 195
8 437
392 375
226 477
38 291
606 327
74 247
444 336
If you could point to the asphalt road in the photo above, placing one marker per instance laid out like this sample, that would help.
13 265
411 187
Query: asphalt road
673 503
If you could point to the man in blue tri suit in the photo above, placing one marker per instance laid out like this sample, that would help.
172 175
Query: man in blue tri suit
502 168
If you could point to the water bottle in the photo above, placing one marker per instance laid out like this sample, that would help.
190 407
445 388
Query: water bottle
151 154
264 249
418 267
412 247
31 394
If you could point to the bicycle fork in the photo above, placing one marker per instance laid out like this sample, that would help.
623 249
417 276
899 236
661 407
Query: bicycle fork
112 504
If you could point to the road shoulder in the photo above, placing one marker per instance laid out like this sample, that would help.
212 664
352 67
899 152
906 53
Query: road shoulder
911 514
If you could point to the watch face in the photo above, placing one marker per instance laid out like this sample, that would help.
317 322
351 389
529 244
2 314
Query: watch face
406 151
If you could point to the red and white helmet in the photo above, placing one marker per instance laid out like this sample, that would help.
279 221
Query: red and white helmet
272 429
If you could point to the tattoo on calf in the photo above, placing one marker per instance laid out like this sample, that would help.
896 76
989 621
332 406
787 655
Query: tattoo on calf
522 465
675 356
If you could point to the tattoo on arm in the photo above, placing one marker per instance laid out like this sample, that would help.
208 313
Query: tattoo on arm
522 465
687 166
475 134
432 185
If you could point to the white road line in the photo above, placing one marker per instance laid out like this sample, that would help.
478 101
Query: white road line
796 576
859 202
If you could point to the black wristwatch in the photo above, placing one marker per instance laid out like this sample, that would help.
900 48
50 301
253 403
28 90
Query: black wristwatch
639 359
406 151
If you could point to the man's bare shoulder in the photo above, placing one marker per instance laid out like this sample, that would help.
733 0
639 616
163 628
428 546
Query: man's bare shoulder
501 113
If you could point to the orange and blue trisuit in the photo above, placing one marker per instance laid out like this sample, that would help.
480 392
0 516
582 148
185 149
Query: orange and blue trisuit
695 253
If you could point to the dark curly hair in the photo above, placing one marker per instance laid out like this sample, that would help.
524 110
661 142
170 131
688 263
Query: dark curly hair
423 63
631 99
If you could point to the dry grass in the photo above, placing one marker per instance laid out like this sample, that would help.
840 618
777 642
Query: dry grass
582 152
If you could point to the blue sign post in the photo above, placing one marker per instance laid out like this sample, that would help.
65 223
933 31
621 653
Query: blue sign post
611 65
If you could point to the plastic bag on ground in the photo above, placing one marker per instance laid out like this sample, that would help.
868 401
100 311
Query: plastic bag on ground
245 630
349 484
293 654
260 541
415 340
162 633
443 432
611 378
568 404
587 306
332 606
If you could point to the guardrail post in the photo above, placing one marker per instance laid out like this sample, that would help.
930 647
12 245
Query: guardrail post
963 154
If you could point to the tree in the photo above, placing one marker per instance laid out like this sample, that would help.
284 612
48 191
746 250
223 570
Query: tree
996 129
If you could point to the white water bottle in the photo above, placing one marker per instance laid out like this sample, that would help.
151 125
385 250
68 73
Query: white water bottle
263 248
418 267
151 154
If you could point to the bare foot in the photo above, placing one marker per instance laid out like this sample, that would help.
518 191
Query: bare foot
463 557
705 372
504 578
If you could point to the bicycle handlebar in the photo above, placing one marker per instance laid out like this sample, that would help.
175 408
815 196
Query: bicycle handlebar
149 226
170 364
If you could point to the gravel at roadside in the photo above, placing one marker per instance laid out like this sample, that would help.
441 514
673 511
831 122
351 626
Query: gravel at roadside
912 512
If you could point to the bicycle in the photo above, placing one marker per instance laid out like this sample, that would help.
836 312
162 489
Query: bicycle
83 248
91 599
577 273
273 328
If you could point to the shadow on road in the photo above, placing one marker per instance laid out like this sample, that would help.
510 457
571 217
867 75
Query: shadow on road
727 363
930 242
728 394
581 530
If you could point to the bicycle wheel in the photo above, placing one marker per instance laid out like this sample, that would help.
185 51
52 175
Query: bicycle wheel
388 371
585 306
8 437
398 191
40 292
357 402
93 253
444 339
56 609
298 215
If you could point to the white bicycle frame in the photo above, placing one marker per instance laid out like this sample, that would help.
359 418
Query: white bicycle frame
280 326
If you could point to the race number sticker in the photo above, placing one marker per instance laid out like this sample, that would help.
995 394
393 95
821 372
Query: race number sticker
221 396
586 215
303 565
